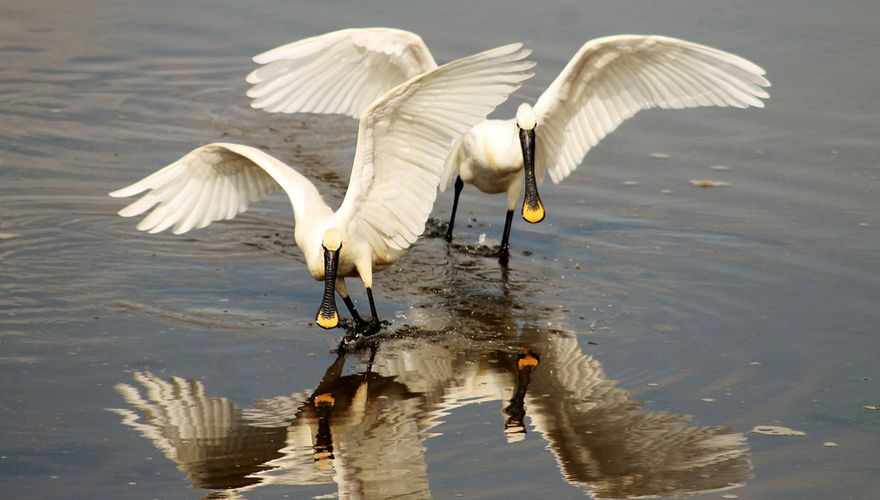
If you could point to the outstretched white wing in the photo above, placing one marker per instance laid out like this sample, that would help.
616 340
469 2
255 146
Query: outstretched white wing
612 78
215 182
405 137
339 72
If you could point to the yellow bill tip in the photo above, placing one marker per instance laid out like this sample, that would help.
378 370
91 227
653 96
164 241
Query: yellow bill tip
534 214
327 322
325 399
527 361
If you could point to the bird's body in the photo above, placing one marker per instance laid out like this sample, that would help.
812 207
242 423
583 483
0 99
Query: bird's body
399 159
607 81
488 157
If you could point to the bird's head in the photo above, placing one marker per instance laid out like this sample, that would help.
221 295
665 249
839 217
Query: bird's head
526 121
525 117
332 240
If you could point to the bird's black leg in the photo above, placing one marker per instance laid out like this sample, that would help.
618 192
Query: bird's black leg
372 358
504 253
374 321
358 321
459 184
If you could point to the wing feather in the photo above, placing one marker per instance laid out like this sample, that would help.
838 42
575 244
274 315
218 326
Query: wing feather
179 206
159 213
338 72
406 136
215 182
195 214
610 79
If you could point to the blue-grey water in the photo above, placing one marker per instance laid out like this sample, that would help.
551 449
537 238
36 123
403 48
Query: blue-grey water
639 336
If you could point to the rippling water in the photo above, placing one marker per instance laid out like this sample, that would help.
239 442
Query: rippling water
659 322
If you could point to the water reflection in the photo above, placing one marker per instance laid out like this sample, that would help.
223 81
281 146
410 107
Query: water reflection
365 431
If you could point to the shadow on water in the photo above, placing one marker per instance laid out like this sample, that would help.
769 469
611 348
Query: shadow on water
365 431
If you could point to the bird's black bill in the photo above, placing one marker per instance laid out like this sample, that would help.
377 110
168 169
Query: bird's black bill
459 184
323 447
532 209
328 316
514 427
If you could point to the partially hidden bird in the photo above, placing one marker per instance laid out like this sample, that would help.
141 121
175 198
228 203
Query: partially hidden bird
405 135
608 80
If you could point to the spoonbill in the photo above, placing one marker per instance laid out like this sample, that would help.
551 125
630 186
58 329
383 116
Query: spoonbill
607 81
403 141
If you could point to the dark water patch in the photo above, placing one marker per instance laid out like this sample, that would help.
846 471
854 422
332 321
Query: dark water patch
21 49
435 228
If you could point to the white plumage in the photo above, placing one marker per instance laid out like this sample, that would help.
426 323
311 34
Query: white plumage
612 78
340 72
403 141
607 81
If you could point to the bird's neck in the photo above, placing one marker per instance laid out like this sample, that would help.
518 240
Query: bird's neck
499 148
308 233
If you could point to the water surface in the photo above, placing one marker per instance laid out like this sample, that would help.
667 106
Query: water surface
666 320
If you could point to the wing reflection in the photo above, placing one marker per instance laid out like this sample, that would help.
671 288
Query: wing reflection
206 436
365 431
603 440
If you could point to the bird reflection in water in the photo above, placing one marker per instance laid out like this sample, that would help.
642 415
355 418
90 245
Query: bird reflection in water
514 426
365 431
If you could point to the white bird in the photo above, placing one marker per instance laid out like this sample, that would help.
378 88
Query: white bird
403 141
607 81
